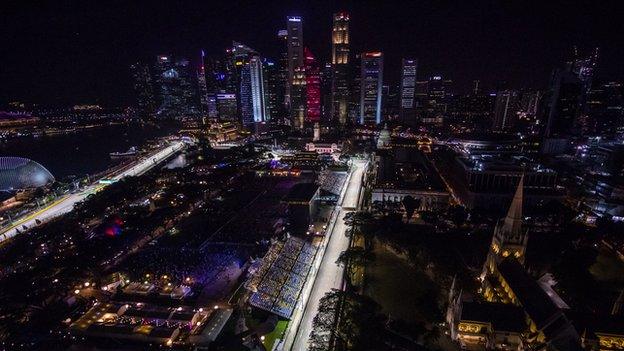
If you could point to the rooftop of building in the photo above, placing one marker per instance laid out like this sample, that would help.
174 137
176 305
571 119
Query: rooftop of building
533 299
503 317
502 163
407 168
302 192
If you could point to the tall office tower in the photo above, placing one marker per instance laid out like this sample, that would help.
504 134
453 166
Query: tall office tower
283 74
259 93
212 78
371 83
505 110
605 108
176 95
326 92
239 56
565 103
201 85
294 42
408 91
570 86
253 92
313 88
245 99
390 101
275 89
421 96
143 90
355 71
440 95
298 99
583 67
529 102
340 63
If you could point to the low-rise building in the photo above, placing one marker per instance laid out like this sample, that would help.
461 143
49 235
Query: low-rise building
405 172
323 148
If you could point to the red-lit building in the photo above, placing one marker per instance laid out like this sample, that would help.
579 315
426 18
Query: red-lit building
313 87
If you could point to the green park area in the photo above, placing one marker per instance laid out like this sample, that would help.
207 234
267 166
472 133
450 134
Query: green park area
404 291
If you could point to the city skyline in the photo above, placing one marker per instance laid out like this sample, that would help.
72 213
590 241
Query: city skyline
464 44
379 176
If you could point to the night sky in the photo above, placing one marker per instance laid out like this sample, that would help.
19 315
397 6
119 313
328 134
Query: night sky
67 52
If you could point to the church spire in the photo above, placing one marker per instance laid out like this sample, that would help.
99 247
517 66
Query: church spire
513 221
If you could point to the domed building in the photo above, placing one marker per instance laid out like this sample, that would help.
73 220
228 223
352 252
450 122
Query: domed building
21 173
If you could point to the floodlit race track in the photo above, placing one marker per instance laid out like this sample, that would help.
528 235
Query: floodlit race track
66 203
326 274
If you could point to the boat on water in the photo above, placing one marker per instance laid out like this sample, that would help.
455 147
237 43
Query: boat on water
132 152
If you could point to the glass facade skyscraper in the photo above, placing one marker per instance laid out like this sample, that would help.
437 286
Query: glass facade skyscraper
177 96
294 44
258 90
371 83
143 90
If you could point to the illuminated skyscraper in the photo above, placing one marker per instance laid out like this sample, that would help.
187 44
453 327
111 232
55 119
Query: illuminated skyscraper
177 96
327 73
208 105
371 83
240 56
143 90
258 90
408 91
570 86
505 110
275 89
298 99
282 117
313 88
227 107
583 67
294 42
340 64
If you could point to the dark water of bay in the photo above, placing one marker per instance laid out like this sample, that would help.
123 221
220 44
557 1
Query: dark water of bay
82 152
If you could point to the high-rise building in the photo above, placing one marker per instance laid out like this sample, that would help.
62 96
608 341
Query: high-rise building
390 101
505 110
284 78
340 64
440 95
177 97
202 87
227 107
569 90
298 99
259 92
408 91
143 89
421 96
294 42
564 105
583 67
326 92
275 90
355 71
371 83
313 88
240 57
